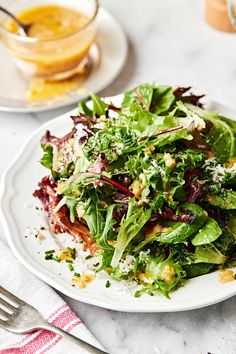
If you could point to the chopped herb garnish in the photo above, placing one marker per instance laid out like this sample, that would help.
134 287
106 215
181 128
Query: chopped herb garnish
76 274
96 264
70 266
48 256
137 293
88 257
108 284
69 261
49 251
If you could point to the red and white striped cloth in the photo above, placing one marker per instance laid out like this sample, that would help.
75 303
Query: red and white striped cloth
15 278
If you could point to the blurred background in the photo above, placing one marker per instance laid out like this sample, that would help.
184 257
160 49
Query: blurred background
170 41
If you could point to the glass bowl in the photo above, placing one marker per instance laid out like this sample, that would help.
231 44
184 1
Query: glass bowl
50 59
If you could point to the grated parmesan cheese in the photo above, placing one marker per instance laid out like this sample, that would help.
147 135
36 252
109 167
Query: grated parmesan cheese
143 255
126 265
119 148
65 156
158 168
218 171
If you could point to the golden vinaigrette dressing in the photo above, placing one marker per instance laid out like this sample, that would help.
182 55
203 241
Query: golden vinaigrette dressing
52 22
43 90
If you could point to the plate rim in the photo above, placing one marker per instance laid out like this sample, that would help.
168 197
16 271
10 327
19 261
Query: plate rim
114 74
8 180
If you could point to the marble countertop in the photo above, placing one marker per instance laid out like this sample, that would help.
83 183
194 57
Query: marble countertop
169 42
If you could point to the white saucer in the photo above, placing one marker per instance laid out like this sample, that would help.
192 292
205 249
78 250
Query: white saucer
109 55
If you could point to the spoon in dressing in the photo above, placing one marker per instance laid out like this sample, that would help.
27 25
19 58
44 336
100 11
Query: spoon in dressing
23 29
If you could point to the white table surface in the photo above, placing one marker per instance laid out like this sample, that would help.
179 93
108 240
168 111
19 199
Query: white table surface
169 42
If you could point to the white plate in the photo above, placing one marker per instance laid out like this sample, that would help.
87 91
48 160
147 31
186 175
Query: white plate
18 212
109 55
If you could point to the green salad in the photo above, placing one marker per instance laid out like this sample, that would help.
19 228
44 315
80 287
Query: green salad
148 185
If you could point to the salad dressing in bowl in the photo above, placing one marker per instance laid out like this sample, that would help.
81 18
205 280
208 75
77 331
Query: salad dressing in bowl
50 21
55 54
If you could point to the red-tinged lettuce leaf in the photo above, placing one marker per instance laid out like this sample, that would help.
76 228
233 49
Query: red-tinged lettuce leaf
117 185
199 140
113 108
193 186
47 193
60 221
183 94
99 165
168 214
49 139
83 119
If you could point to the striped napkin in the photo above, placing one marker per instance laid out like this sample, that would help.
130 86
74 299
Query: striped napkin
18 280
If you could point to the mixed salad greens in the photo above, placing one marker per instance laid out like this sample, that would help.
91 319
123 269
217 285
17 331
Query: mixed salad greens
149 186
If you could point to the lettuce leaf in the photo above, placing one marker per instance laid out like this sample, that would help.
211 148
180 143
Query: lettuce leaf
150 97
131 224
208 254
208 234
167 274
84 109
226 200
99 106
180 231
162 100
195 270
47 158
100 223
221 136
